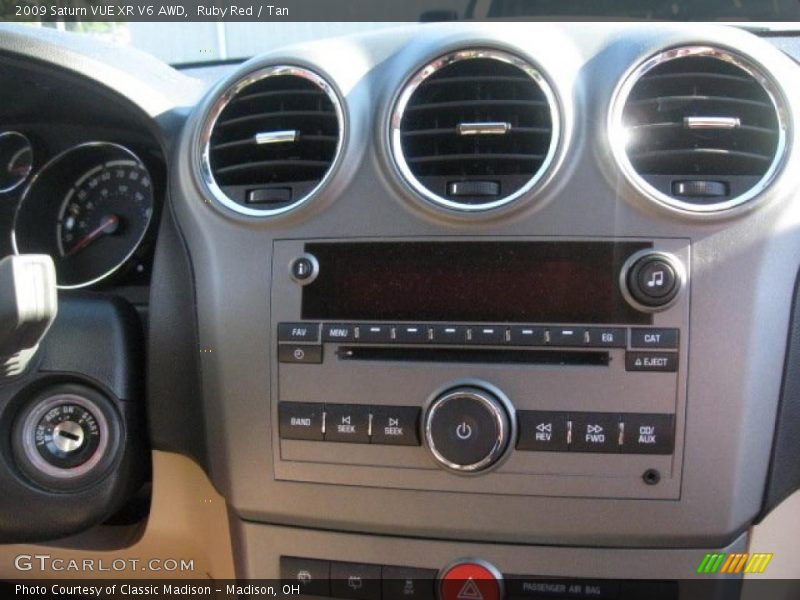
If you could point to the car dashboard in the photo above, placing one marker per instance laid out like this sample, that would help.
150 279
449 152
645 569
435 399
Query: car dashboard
512 296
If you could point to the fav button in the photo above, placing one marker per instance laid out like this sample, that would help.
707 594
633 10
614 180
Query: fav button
298 332
470 581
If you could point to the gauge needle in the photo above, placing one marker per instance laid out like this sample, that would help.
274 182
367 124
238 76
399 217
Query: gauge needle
107 225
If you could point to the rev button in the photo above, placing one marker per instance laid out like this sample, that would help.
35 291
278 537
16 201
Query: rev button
543 431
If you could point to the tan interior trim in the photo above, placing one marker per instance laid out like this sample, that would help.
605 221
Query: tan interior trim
188 520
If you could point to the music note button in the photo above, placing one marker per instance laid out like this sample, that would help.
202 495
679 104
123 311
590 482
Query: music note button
656 278
653 279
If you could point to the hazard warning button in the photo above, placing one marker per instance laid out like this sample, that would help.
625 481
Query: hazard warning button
470 581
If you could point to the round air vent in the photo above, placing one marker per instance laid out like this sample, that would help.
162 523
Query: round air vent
698 129
270 141
475 129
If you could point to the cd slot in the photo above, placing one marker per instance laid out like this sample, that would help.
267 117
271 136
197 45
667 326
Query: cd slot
474 355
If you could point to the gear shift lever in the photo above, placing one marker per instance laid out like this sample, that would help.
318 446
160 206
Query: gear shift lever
28 306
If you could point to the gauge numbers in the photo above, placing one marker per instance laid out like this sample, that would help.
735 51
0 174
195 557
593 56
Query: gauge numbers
90 224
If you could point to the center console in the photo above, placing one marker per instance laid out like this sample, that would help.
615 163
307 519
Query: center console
537 367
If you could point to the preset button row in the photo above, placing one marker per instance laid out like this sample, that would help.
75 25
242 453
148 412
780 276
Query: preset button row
353 423
515 335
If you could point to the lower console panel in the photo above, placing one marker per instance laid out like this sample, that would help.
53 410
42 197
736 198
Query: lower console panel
367 567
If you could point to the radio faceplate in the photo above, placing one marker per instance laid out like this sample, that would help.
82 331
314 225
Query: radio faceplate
597 405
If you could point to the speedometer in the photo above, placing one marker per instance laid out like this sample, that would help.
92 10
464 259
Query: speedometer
89 208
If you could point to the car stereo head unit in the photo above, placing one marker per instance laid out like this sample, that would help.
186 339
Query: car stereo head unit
536 366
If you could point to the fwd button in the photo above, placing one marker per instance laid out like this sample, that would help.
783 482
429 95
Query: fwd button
594 432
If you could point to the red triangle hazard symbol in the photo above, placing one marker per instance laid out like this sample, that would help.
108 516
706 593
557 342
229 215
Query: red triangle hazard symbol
470 591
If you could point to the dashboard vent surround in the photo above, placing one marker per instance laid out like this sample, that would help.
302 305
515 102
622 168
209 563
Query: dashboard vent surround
271 140
475 130
699 129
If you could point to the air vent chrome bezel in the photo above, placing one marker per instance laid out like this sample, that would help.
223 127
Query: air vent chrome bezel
411 85
213 113
617 134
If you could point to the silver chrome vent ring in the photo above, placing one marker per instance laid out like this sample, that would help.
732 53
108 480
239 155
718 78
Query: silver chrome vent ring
219 105
411 86
618 135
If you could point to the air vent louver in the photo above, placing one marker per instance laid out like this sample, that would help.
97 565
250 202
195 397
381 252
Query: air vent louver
701 128
273 142
475 129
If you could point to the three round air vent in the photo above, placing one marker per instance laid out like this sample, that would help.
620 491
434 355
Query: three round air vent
698 129
270 141
475 129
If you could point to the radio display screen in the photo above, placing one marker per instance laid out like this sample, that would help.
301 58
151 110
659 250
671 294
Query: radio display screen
524 282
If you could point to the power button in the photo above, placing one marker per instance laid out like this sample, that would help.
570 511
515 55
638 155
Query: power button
467 429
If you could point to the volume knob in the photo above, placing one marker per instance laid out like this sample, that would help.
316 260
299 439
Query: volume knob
467 429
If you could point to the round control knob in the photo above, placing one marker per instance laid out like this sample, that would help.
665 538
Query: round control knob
66 437
651 280
467 429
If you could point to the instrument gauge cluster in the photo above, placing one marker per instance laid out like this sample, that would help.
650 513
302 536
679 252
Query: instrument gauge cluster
89 208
